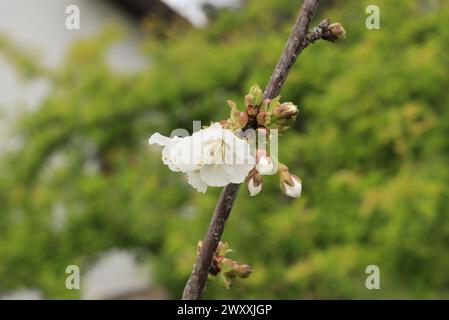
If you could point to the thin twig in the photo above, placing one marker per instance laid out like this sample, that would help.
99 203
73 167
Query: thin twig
299 39
296 43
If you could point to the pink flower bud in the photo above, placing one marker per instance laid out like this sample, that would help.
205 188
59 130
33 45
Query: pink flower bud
290 184
255 183
265 165
285 110
243 119
263 118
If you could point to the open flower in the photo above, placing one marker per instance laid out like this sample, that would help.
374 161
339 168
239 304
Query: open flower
210 157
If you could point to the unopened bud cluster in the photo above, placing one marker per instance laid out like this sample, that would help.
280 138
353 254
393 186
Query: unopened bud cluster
224 269
265 115
262 113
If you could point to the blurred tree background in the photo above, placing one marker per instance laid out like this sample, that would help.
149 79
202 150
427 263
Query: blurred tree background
371 147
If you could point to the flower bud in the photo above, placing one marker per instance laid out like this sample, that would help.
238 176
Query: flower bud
223 249
249 100
265 165
257 95
290 184
241 270
285 110
251 109
263 118
255 183
243 117
224 269
237 118
337 31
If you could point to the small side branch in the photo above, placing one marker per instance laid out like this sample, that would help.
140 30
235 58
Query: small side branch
325 31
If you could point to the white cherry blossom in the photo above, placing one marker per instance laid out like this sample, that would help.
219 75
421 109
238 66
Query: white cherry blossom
210 157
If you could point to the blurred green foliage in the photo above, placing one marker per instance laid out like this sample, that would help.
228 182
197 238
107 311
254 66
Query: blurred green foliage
371 146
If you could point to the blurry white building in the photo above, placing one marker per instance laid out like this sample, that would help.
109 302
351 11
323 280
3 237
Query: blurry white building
40 26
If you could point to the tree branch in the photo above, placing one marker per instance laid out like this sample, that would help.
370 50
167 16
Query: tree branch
296 43
298 40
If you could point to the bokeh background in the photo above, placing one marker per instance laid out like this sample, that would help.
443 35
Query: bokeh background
79 184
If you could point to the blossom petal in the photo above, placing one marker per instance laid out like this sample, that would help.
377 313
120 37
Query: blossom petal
167 156
214 132
238 152
159 139
237 173
195 181
214 175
